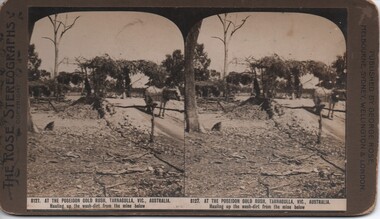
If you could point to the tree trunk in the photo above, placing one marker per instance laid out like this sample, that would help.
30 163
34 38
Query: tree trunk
128 90
256 87
124 89
56 52
55 73
29 120
30 124
319 128
191 115
127 87
87 86
152 126
225 67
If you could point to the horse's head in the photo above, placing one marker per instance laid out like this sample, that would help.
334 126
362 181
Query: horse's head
177 93
339 94
172 93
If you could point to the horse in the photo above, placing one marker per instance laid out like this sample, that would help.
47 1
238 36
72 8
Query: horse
323 97
155 96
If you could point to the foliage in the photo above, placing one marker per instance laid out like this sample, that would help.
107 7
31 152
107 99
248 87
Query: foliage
201 64
106 74
38 88
76 78
296 69
34 62
340 66
157 74
64 78
209 88
38 78
268 70
124 70
215 75
324 73
236 78
174 65
246 78
68 78
233 78
273 67
101 67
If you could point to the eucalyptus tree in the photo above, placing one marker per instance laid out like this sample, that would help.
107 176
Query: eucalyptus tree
229 29
60 28
191 115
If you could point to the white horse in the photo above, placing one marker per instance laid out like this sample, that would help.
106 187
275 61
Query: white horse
323 97
154 97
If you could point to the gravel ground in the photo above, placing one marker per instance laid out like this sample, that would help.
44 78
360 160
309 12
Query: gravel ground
251 156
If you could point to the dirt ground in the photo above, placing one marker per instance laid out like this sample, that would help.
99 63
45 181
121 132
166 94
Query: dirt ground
267 158
87 156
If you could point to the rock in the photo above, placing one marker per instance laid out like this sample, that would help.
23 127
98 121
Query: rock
49 126
217 127
159 172
236 155
71 155
323 173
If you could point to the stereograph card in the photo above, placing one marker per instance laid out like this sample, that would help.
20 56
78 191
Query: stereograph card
194 108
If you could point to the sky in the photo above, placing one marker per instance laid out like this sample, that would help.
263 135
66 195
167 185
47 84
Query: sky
122 35
290 35
136 35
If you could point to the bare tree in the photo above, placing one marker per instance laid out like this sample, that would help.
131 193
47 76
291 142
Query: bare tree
229 29
59 30
191 115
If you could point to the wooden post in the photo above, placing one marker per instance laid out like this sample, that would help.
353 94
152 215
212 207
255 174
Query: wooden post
320 127
152 124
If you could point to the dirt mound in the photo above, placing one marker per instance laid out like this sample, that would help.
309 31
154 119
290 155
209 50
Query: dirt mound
215 104
79 111
248 111
256 108
88 108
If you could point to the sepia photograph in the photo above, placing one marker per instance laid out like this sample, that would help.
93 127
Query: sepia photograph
189 108
106 106
271 103
247 105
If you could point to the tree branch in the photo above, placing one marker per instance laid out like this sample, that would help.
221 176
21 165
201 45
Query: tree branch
48 38
220 18
66 17
66 28
229 24
62 61
59 24
239 26
218 39
51 20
